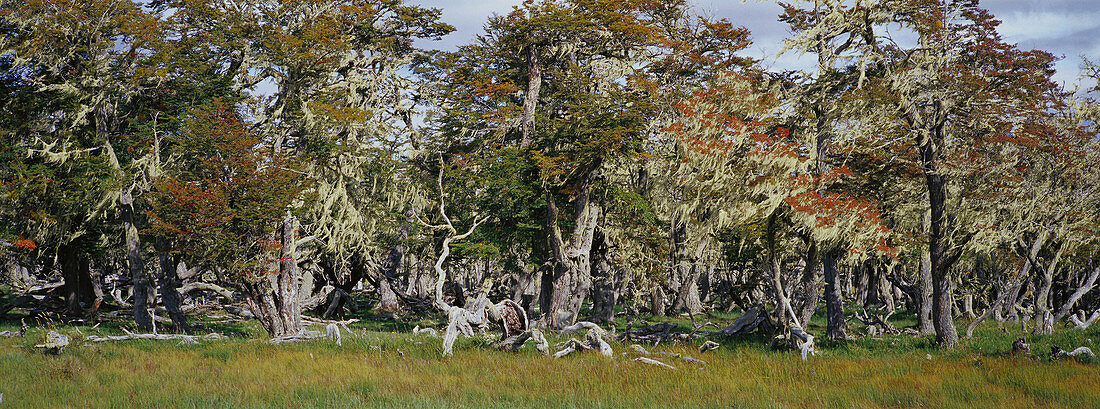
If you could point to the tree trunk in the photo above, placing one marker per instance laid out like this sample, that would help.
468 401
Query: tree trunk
929 141
169 287
942 300
531 99
606 282
142 288
388 301
809 285
1044 320
274 299
690 270
924 309
1080 292
658 299
571 263
75 272
785 313
836 326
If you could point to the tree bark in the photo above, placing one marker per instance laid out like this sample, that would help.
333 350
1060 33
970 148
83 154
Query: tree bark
836 326
658 299
169 287
571 263
687 296
809 285
1044 321
606 282
1080 292
388 300
75 272
924 312
274 299
784 311
942 301
141 283
531 99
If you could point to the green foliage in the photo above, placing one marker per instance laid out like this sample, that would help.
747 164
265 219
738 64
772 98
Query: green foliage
226 194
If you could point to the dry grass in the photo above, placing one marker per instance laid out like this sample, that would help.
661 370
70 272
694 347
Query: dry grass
368 371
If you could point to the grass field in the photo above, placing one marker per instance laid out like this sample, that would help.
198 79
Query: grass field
385 366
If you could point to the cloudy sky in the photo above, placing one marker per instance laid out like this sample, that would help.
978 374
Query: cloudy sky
1066 28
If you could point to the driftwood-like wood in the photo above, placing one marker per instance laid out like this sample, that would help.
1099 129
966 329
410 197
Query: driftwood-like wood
1059 353
183 338
55 343
572 329
593 340
708 346
804 341
1083 325
654 362
752 320
307 320
332 332
425 331
652 333
303 335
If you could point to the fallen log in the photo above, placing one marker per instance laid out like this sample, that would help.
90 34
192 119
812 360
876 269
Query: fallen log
708 346
582 325
55 343
304 335
197 286
653 362
1059 353
425 331
183 338
593 340
318 321
653 333
752 320
1083 325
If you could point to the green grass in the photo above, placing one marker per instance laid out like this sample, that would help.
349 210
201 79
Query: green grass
369 371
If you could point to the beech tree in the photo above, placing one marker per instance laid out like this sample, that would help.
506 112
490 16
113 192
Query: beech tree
957 85
229 200
89 65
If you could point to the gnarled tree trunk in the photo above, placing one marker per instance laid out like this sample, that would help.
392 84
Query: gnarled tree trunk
136 263
169 287
274 300
571 263
836 326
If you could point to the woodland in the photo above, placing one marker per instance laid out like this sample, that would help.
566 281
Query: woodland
203 182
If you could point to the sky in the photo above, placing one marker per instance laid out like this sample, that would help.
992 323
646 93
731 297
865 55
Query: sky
1065 28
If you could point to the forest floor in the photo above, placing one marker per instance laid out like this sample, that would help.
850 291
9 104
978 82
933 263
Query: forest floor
382 365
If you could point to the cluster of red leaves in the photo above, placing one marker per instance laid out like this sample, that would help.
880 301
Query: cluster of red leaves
25 244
